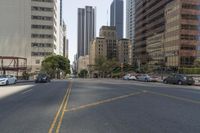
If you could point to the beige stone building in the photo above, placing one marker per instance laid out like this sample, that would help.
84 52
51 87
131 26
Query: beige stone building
83 63
109 47
98 48
155 49
110 35
124 51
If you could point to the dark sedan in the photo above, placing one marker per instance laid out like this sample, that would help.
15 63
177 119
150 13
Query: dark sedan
179 79
42 78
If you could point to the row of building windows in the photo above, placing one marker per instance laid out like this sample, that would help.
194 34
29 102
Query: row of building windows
189 27
42 27
188 47
46 18
41 36
190 37
40 53
50 1
45 9
191 6
42 45
187 60
190 17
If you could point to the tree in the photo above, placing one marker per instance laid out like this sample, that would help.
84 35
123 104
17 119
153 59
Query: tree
104 66
100 65
56 64
197 63
83 73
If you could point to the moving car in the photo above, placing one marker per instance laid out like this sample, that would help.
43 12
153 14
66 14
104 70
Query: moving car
7 79
144 77
42 78
179 79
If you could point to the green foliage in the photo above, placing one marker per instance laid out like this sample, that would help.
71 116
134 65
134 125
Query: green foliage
55 64
190 70
104 66
197 63
25 75
83 73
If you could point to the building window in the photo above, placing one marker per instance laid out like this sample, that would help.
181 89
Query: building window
46 18
50 1
189 27
189 37
49 27
37 61
190 6
45 9
42 36
40 53
41 45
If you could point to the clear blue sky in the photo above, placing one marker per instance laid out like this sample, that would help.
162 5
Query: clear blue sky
70 18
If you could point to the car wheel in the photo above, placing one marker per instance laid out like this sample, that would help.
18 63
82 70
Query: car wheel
165 81
180 82
7 82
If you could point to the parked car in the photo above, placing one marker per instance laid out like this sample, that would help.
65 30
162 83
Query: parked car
42 78
126 77
144 77
132 77
179 79
7 79
155 78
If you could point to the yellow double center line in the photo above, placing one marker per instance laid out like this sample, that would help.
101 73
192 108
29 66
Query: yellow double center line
56 124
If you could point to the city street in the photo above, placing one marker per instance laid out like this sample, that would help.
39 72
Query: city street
100 106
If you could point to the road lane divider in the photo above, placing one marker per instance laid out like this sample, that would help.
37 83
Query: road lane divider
56 119
63 112
104 101
27 91
175 97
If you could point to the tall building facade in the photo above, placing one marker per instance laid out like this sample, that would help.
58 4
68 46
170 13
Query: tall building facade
123 53
182 34
130 20
110 35
149 20
30 29
117 16
86 29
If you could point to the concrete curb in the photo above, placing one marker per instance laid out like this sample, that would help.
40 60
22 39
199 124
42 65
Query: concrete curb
25 81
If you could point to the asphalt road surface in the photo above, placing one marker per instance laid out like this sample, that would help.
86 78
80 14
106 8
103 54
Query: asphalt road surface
101 106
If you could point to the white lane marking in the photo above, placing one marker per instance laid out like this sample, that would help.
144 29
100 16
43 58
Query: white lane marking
27 91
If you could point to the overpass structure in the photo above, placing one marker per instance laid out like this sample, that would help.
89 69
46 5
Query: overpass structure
14 64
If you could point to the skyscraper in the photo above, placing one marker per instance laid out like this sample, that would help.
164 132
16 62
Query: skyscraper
30 29
117 16
130 25
86 29
130 20
81 18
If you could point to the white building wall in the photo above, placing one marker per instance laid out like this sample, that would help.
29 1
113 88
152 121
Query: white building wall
15 28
